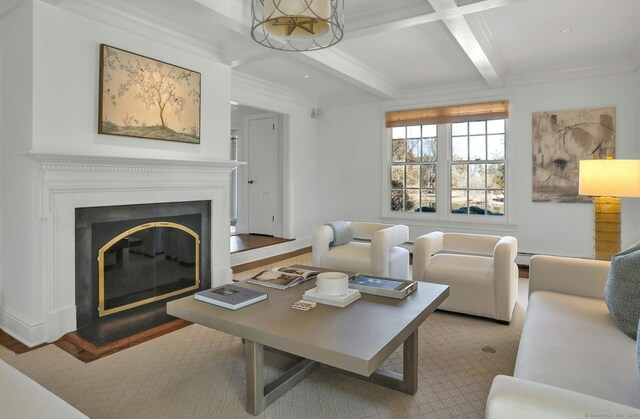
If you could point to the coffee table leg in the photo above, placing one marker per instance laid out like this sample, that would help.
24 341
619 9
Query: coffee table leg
259 396
407 382
254 362
410 364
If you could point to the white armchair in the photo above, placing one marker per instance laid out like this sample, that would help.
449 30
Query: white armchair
479 269
381 256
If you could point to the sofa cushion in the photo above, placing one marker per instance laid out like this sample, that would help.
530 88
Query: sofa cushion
22 397
352 257
622 291
573 343
470 280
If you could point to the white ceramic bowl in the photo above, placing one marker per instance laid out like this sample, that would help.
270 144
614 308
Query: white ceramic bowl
332 283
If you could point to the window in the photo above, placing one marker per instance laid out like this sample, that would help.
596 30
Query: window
477 168
453 165
413 168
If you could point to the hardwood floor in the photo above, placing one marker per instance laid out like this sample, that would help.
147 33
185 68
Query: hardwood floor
86 351
16 346
244 242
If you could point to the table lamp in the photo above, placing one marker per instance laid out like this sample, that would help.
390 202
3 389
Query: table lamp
607 180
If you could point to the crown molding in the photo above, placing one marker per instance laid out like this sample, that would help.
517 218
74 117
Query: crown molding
620 67
130 21
623 66
245 89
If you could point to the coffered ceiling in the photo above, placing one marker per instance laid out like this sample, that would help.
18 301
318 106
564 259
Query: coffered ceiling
392 49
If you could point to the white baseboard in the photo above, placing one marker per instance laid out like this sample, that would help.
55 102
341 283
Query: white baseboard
21 330
269 251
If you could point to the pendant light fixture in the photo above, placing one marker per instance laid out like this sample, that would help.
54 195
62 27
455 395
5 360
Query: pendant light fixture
297 25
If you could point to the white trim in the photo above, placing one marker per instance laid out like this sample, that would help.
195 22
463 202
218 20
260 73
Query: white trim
130 22
278 181
63 182
347 68
248 256
456 226
623 66
443 217
246 90
27 332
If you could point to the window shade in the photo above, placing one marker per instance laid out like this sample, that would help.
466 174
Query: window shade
447 114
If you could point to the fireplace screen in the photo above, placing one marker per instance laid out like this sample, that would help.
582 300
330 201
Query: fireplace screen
147 263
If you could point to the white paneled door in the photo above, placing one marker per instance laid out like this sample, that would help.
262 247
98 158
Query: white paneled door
262 167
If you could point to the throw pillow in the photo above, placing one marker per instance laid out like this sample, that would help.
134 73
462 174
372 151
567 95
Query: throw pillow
622 291
341 233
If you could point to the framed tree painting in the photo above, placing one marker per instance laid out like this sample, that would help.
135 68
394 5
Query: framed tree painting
146 98
560 140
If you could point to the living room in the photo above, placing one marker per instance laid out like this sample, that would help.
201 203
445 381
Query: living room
336 150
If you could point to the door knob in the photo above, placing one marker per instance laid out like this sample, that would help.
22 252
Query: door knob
250 182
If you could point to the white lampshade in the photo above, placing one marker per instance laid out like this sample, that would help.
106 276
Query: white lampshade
297 25
609 177
298 19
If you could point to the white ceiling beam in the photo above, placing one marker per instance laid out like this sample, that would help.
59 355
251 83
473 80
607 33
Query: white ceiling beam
372 25
244 53
343 66
235 15
493 73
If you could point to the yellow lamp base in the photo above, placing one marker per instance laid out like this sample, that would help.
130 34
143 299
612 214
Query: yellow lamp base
607 220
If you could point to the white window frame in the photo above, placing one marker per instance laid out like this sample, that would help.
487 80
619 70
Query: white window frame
443 218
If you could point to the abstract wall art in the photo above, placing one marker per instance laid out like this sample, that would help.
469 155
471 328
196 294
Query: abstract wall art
560 140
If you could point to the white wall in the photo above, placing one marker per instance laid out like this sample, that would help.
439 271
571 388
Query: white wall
66 75
49 77
350 159
20 304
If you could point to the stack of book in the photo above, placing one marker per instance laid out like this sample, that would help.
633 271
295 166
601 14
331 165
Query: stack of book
230 296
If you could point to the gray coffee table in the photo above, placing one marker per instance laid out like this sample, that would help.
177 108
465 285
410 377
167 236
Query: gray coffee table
356 339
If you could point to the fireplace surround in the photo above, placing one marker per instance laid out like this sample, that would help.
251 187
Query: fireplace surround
65 182
129 256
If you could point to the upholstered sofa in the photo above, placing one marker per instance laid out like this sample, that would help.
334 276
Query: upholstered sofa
378 254
479 269
573 360
21 397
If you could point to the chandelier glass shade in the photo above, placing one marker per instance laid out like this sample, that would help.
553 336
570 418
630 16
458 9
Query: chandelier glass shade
297 25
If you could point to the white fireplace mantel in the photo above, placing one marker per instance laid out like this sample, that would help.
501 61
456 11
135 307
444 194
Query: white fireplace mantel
64 182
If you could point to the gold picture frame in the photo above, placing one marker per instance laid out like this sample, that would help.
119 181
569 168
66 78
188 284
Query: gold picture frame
146 98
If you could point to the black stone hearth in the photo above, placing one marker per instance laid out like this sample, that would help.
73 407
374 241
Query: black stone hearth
128 323
94 228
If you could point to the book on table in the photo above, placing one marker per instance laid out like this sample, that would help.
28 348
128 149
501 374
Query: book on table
283 277
230 296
